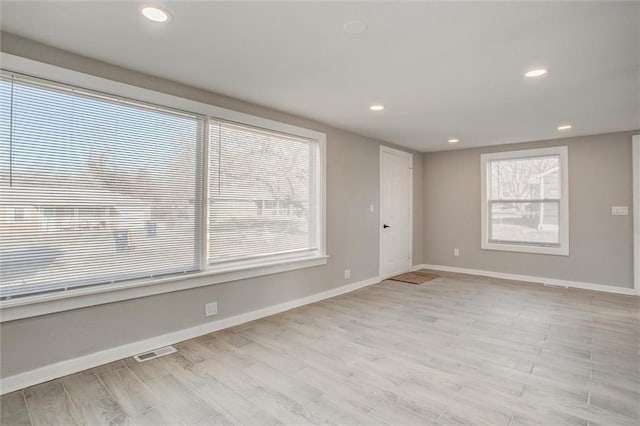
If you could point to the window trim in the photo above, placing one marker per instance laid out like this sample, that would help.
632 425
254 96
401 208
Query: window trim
40 304
318 158
82 297
560 250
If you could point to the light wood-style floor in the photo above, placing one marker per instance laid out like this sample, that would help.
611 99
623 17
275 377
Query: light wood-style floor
457 350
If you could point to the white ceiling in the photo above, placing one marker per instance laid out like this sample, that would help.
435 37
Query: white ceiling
441 69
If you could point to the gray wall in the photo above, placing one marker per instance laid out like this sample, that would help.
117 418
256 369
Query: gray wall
352 242
601 245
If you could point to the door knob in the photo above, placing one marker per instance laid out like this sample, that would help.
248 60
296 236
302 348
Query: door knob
385 226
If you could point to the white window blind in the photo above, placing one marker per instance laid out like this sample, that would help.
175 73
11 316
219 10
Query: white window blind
93 189
262 187
107 193
525 201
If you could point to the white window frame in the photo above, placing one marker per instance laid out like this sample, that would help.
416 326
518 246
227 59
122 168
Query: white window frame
40 304
485 160
317 199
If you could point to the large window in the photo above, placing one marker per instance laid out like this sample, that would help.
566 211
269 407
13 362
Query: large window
525 201
98 189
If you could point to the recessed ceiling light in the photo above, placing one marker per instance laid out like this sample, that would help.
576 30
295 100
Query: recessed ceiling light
155 14
565 127
453 140
376 107
537 72
355 27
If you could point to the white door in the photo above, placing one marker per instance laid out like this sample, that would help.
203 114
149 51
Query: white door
396 193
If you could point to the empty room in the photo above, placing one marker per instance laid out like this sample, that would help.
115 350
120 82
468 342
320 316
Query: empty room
319 212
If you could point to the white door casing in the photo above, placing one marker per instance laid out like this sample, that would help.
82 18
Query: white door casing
396 211
636 212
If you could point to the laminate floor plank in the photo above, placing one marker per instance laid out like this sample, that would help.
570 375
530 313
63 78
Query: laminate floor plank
181 401
281 407
393 414
270 378
237 408
190 374
49 404
128 390
13 410
194 351
157 416
146 370
457 350
325 410
93 402
326 381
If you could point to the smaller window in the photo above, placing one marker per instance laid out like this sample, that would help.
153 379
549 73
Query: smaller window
525 201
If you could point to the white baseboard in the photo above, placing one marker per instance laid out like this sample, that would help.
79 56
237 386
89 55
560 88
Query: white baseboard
532 279
63 368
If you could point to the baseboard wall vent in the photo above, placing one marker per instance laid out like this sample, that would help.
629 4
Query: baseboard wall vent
156 353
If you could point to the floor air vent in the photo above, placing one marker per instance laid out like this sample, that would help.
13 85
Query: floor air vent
156 353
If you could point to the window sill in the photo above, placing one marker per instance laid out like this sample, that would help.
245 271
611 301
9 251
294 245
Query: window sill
557 251
42 304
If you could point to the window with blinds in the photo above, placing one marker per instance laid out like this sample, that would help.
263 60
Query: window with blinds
525 202
93 189
99 189
261 192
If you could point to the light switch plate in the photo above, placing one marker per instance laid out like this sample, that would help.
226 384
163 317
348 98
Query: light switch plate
619 210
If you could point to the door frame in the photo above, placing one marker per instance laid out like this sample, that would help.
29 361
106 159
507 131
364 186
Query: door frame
408 156
636 211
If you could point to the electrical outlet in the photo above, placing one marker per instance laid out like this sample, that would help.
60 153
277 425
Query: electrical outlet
211 309
619 210
371 208
456 252
347 274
